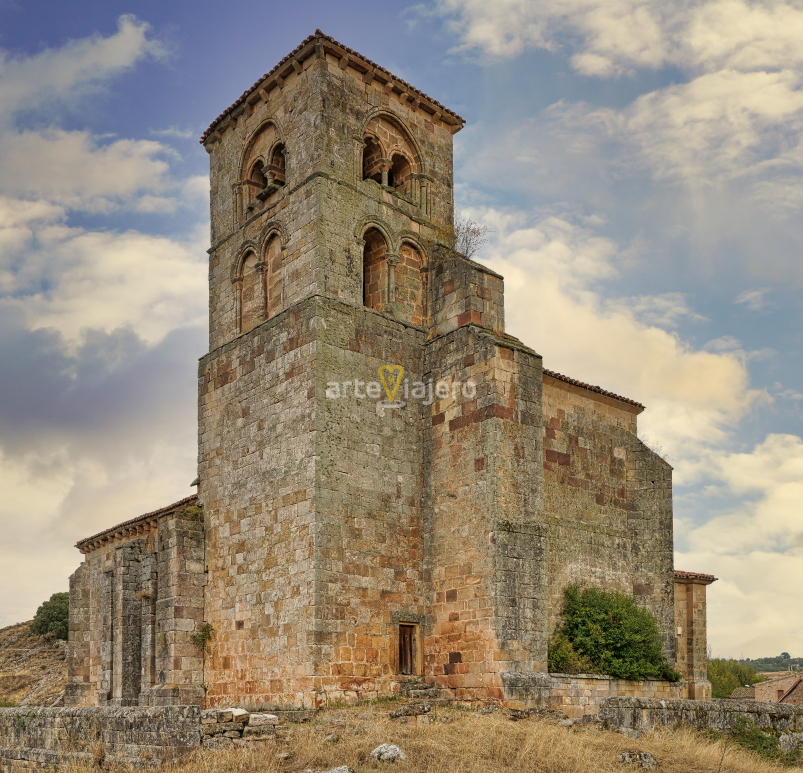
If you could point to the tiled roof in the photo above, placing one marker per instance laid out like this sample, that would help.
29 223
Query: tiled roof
591 388
126 525
744 692
320 37
790 690
679 575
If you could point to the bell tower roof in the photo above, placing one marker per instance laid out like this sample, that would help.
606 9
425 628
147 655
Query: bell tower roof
323 46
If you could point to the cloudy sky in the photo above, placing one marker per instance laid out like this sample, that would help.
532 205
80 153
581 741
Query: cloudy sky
641 162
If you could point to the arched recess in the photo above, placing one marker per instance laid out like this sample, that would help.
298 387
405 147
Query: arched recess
251 286
411 283
262 167
390 154
274 274
375 269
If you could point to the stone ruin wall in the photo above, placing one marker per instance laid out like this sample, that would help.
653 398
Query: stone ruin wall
135 603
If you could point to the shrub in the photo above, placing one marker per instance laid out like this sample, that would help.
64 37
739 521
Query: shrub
607 633
203 635
52 618
726 675
765 743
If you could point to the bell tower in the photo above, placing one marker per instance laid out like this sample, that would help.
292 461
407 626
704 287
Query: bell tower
333 519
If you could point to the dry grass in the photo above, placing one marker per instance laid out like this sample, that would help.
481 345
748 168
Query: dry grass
472 743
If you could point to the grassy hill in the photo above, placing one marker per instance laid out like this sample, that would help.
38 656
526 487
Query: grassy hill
33 669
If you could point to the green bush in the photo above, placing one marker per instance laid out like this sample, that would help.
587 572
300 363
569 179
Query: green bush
52 618
726 675
607 633
763 742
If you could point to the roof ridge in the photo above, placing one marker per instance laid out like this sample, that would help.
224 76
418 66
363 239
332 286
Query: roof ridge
318 36
591 387
144 517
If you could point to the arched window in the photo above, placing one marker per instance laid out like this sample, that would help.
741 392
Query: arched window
410 293
274 275
277 165
256 177
390 156
399 173
252 293
374 270
371 158
263 169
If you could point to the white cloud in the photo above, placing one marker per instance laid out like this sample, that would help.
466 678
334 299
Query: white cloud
755 547
739 116
694 398
666 310
754 300
64 75
612 37
75 170
72 279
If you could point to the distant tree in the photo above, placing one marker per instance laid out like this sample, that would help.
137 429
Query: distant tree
52 617
785 656
726 675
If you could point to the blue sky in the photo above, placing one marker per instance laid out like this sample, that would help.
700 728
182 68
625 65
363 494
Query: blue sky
641 162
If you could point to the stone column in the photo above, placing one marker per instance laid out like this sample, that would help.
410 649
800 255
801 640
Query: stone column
690 619
76 692
127 624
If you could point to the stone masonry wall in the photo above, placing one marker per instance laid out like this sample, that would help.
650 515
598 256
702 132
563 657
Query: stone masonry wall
369 547
134 605
257 483
485 549
644 714
51 738
580 694
607 504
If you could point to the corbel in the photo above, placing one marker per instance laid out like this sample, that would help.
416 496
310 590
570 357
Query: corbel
279 81
296 66
343 62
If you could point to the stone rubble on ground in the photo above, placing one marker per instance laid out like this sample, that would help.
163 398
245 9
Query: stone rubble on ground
411 710
645 760
388 752
237 727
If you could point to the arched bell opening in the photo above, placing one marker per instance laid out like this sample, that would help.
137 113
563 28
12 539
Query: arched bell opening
399 173
371 160
277 166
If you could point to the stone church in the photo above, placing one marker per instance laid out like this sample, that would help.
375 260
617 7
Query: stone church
392 491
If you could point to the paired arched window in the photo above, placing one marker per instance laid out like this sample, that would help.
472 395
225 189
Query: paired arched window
389 156
264 168
260 285
395 283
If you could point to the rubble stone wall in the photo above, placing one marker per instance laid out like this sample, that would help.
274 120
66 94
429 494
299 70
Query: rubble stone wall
644 714
51 738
